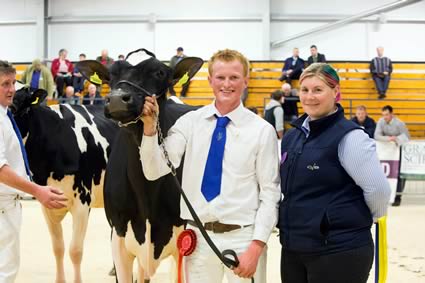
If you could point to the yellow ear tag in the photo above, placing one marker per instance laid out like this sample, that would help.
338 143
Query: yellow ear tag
183 79
95 79
35 101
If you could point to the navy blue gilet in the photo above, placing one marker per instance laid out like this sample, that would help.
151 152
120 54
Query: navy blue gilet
269 115
323 210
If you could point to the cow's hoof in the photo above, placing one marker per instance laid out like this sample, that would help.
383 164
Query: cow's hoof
112 272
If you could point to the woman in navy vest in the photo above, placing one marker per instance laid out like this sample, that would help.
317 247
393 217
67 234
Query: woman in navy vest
333 189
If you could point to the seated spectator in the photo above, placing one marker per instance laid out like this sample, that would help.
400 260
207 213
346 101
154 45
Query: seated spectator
121 57
173 62
274 112
364 121
77 78
93 97
392 129
315 57
289 103
104 59
70 97
381 68
62 71
293 67
38 76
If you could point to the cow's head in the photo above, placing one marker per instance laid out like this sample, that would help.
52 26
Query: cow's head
131 83
23 100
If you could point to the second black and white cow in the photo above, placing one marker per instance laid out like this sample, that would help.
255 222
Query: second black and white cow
68 148
145 215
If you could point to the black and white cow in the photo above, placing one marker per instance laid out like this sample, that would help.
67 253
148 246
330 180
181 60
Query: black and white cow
145 215
68 148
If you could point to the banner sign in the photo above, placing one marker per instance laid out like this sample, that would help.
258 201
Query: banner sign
413 160
389 155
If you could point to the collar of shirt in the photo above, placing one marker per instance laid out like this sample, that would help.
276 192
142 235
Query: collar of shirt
306 126
236 116
3 111
391 122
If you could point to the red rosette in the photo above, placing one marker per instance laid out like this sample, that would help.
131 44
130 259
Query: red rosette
186 243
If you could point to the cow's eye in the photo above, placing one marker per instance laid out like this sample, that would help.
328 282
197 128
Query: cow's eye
160 74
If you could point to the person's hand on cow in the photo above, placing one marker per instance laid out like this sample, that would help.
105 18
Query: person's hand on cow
150 115
50 197
248 261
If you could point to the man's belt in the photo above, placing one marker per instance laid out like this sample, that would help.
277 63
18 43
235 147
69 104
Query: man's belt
217 227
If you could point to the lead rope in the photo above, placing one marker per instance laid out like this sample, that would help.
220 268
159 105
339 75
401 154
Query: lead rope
227 257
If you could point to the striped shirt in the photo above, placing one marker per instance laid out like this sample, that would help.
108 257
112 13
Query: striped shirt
380 65
357 155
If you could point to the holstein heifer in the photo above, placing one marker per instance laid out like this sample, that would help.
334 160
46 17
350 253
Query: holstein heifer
145 215
68 147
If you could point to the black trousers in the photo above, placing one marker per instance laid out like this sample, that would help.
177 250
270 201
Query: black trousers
351 266
62 81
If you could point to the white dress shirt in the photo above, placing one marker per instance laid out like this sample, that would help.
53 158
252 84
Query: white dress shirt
10 152
250 187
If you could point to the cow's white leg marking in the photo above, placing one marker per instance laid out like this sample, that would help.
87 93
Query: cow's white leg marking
80 216
123 260
53 219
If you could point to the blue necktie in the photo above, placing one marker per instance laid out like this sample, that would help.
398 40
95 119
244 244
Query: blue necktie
21 143
211 182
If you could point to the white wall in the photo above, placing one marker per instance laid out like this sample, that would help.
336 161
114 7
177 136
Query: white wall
203 27
356 41
18 41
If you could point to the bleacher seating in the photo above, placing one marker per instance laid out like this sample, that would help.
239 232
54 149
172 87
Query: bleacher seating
406 91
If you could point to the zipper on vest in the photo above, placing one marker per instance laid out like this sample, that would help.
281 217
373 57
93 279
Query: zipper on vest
290 181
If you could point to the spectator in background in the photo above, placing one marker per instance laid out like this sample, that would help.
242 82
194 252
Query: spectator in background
289 103
38 76
381 68
77 77
121 57
315 57
273 113
70 97
173 62
104 59
292 67
364 121
392 129
92 97
62 71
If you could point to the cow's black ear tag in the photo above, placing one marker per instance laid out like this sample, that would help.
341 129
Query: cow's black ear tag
38 96
186 69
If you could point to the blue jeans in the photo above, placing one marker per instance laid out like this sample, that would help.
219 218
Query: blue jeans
381 83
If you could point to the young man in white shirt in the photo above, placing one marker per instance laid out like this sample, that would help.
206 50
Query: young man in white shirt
248 193
14 180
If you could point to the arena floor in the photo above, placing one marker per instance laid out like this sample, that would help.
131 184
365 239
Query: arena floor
406 247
